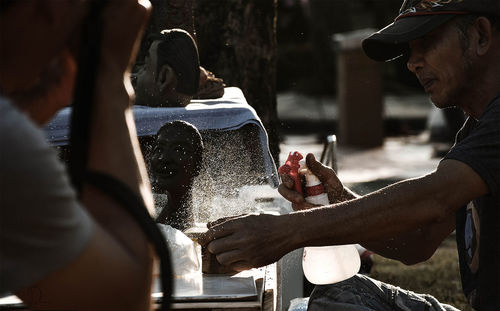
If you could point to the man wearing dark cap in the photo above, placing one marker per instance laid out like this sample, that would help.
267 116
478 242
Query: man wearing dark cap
453 47
170 74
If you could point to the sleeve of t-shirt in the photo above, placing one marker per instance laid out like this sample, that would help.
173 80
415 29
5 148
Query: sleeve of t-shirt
480 150
42 225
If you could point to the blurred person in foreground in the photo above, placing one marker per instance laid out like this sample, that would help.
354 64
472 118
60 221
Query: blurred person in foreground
57 251
453 47
170 75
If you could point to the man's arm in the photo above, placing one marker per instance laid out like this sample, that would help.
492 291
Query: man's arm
426 205
415 246
393 211
400 247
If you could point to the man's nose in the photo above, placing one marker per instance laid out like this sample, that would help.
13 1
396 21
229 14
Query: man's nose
416 60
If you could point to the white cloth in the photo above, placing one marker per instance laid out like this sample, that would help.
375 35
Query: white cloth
227 113
183 252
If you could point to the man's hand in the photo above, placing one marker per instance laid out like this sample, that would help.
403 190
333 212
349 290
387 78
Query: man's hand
123 27
337 192
333 186
250 241
286 189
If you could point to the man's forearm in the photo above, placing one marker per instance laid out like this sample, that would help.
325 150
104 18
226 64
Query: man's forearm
113 145
113 150
415 246
379 216
411 247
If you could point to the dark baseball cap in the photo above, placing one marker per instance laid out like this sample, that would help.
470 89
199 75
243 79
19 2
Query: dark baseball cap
418 17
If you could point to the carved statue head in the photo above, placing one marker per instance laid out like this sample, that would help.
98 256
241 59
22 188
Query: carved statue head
170 74
176 158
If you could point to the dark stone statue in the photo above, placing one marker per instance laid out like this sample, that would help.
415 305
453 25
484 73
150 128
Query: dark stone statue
174 162
170 74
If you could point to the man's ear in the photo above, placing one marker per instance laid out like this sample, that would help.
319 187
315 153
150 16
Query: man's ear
166 78
483 31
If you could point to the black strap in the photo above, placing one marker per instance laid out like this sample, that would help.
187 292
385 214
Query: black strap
83 98
125 197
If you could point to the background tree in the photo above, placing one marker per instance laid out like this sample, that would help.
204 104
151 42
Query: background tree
237 41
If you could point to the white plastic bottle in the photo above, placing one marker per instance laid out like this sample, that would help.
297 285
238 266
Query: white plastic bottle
326 264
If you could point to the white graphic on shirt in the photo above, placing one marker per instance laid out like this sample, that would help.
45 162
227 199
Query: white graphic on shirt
472 234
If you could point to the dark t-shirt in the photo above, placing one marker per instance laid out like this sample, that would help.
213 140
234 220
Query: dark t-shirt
478 223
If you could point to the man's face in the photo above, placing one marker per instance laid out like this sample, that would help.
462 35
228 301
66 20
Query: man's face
441 66
28 48
173 162
37 63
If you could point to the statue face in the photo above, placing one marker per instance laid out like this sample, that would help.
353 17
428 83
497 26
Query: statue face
156 86
173 163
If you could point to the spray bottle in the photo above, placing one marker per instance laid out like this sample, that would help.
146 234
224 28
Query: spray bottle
324 264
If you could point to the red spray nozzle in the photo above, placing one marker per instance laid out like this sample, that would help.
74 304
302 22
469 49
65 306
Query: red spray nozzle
291 168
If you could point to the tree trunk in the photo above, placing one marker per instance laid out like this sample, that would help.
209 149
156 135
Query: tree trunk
237 41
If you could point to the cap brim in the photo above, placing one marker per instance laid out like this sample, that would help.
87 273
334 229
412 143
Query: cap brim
392 41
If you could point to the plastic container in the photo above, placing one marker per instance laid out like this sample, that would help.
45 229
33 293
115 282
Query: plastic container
326 264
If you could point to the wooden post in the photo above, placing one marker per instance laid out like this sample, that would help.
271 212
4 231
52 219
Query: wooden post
359 85
237 41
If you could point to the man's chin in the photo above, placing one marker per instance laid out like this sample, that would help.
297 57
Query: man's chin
438 102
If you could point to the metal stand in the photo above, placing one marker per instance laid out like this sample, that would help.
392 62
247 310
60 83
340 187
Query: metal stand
329 154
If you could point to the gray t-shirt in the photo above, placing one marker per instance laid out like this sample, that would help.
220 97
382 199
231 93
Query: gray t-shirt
42 225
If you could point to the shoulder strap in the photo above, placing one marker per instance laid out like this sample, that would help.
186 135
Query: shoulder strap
135 206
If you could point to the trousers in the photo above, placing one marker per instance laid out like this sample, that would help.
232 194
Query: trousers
362 293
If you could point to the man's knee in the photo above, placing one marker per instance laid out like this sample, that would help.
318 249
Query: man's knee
355 293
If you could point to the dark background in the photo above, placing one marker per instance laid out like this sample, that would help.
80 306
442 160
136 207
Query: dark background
270 46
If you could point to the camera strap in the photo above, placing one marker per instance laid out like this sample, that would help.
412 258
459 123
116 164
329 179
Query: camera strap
81 118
